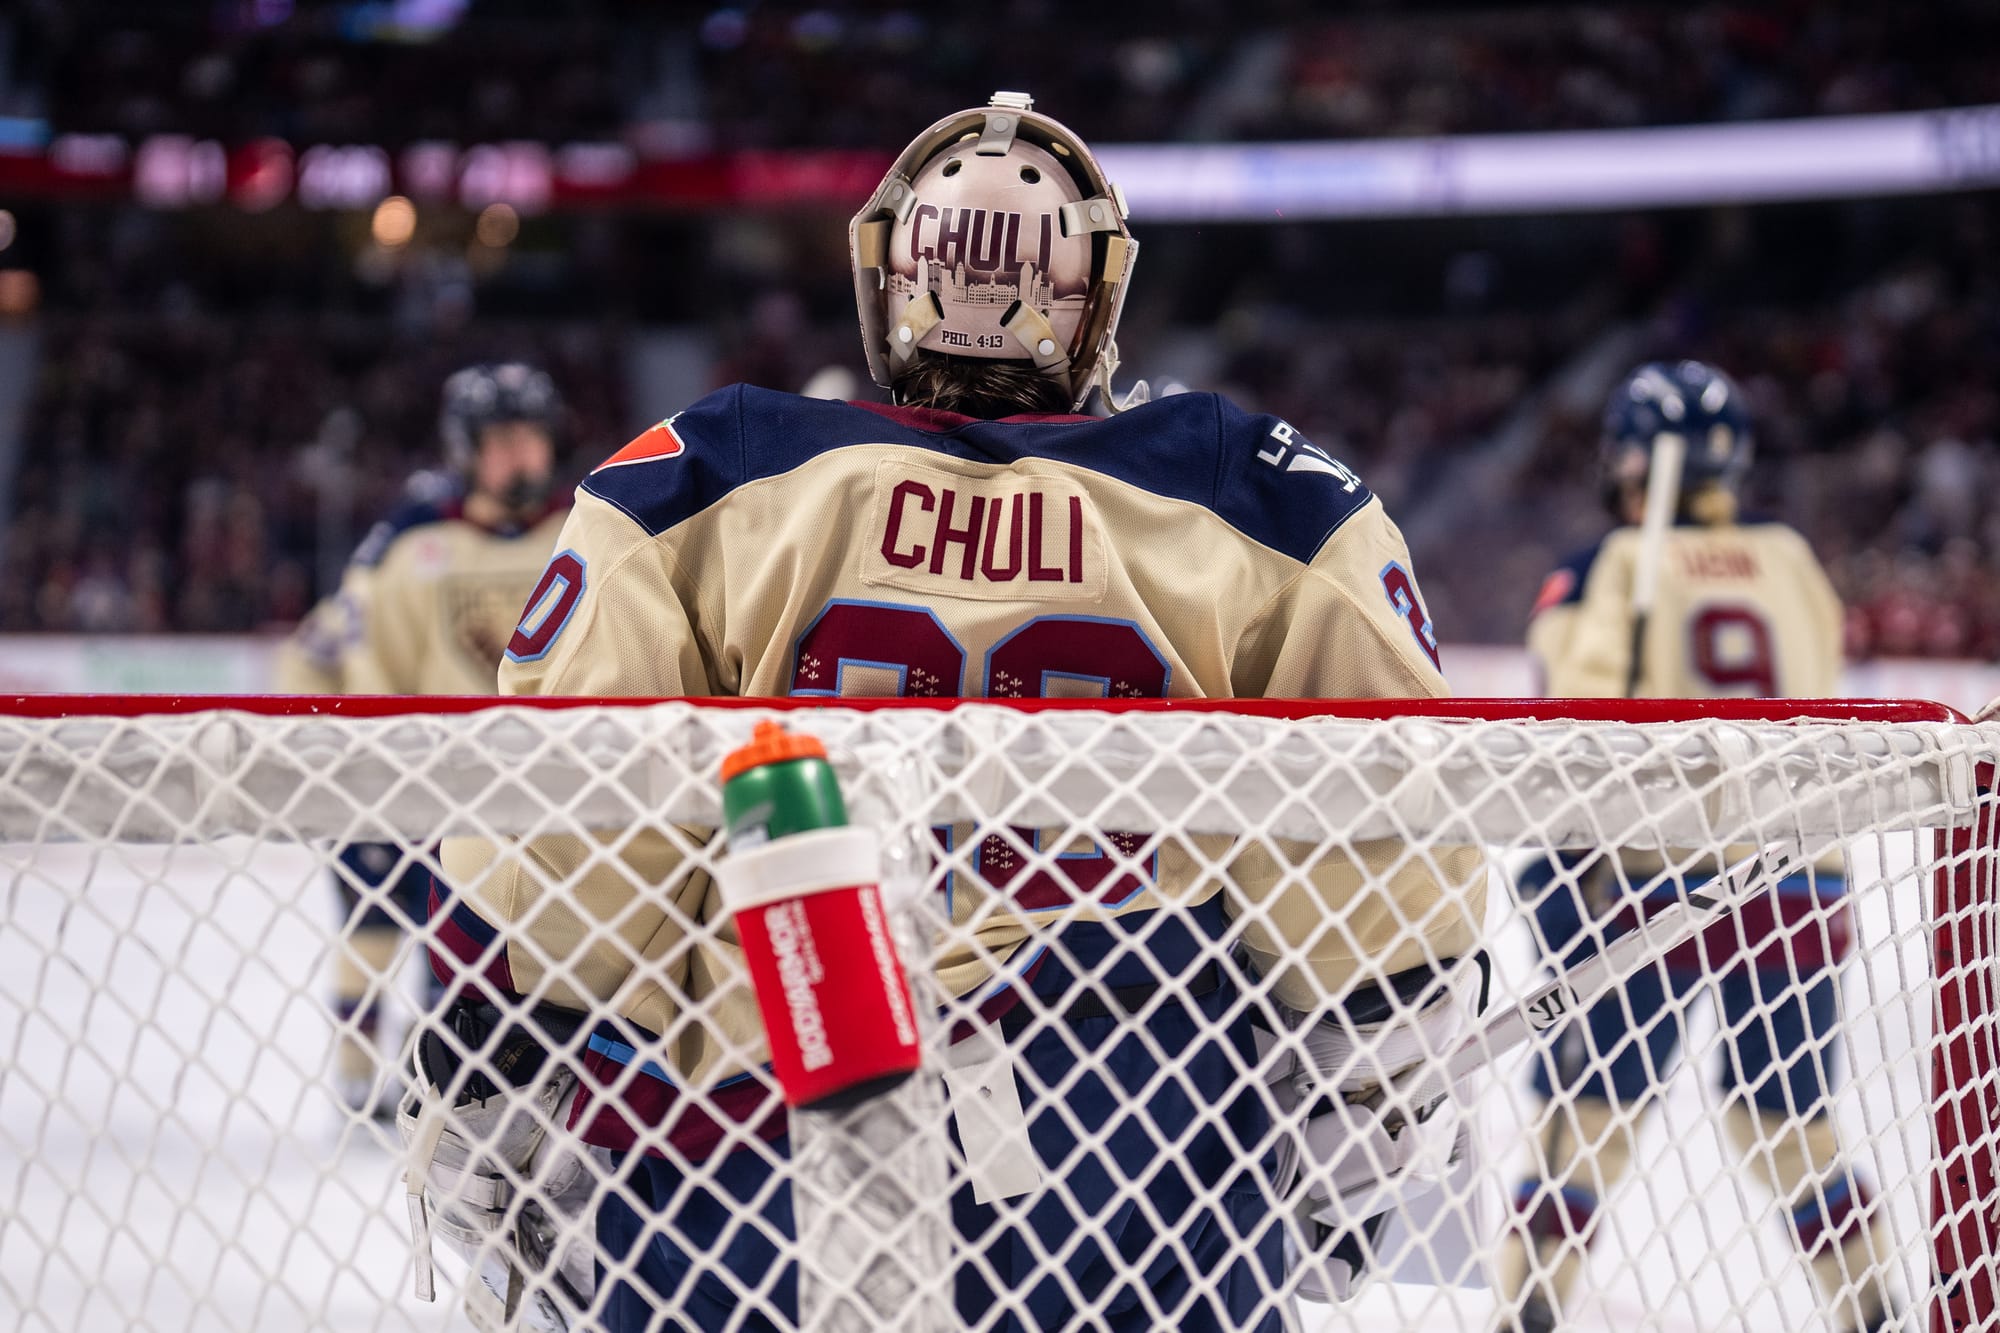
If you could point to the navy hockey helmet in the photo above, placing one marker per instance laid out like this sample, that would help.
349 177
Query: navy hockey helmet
485 395
1690 399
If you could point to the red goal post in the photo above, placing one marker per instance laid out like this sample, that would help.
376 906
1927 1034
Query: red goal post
80 775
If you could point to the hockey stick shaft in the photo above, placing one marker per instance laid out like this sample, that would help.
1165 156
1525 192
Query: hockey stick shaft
1663 491
1589 981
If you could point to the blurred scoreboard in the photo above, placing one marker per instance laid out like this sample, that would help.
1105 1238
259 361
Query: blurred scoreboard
178 171
666 166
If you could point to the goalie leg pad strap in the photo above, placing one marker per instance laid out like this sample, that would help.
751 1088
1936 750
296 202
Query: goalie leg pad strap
1363 1149
420 1123
495 1173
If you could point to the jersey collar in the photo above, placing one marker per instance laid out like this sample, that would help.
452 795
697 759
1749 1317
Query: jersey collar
938 421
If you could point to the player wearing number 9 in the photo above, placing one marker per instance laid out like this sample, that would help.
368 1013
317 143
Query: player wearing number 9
1740 608
977 535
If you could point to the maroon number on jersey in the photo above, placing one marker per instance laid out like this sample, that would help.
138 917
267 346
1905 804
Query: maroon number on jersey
1730 645
1402 590
908 640
1113 657
549 608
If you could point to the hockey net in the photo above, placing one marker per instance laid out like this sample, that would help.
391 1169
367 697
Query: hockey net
173 1154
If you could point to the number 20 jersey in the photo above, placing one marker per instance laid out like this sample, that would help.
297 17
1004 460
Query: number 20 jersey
764 544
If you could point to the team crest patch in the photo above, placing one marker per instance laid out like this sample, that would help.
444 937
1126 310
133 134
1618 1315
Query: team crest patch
658 442
479 617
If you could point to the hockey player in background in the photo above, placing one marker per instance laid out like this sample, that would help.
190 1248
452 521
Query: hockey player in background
981 536
374 884
1741 609
434 593
425 607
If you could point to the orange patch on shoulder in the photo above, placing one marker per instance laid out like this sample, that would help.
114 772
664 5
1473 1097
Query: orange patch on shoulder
657 442
1554 588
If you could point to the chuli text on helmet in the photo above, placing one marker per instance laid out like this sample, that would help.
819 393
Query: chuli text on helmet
981 239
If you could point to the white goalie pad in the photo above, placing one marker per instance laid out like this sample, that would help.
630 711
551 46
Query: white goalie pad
511 1197
1351 1145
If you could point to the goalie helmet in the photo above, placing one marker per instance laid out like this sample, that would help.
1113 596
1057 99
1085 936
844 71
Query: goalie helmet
994 236
1690 399
481 396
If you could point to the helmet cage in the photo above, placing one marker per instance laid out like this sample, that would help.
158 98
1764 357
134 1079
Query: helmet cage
897 321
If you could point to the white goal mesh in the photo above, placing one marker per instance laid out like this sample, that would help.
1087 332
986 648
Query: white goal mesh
1142 921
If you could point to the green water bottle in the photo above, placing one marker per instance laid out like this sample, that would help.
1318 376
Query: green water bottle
802 885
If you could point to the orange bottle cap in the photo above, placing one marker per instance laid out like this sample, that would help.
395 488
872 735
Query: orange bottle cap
770 743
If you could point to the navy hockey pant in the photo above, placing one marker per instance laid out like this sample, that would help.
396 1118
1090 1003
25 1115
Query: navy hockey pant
1779 1035
1134 1277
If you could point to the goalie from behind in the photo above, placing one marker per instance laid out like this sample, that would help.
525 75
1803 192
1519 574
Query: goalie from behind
981 536
1741 608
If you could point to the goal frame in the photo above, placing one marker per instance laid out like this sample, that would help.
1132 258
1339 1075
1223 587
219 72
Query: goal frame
1964 1193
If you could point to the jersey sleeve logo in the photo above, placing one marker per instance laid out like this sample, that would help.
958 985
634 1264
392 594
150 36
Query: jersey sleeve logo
660 441
1289 451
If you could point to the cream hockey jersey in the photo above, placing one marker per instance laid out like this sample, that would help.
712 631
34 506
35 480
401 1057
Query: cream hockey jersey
309 660
764 544
430 599
1741 609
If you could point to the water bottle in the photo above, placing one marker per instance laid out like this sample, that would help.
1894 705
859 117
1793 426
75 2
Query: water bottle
802 886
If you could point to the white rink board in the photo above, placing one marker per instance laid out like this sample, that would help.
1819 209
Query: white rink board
230 1193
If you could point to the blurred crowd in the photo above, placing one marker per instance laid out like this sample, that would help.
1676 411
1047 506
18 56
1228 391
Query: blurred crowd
332 74
1399 397
1878 413
1196 71
1883 409
827 78
194 470
189 468
221 404
210 475
841 75
1867 338
1530 68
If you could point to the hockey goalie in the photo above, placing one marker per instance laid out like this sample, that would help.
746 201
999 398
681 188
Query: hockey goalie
1201 1033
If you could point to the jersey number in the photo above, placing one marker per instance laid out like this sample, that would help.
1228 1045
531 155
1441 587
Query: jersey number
1047 657
549 608
1402 590
1730 646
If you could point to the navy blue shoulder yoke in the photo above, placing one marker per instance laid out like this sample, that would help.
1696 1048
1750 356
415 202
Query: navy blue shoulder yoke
1253 471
